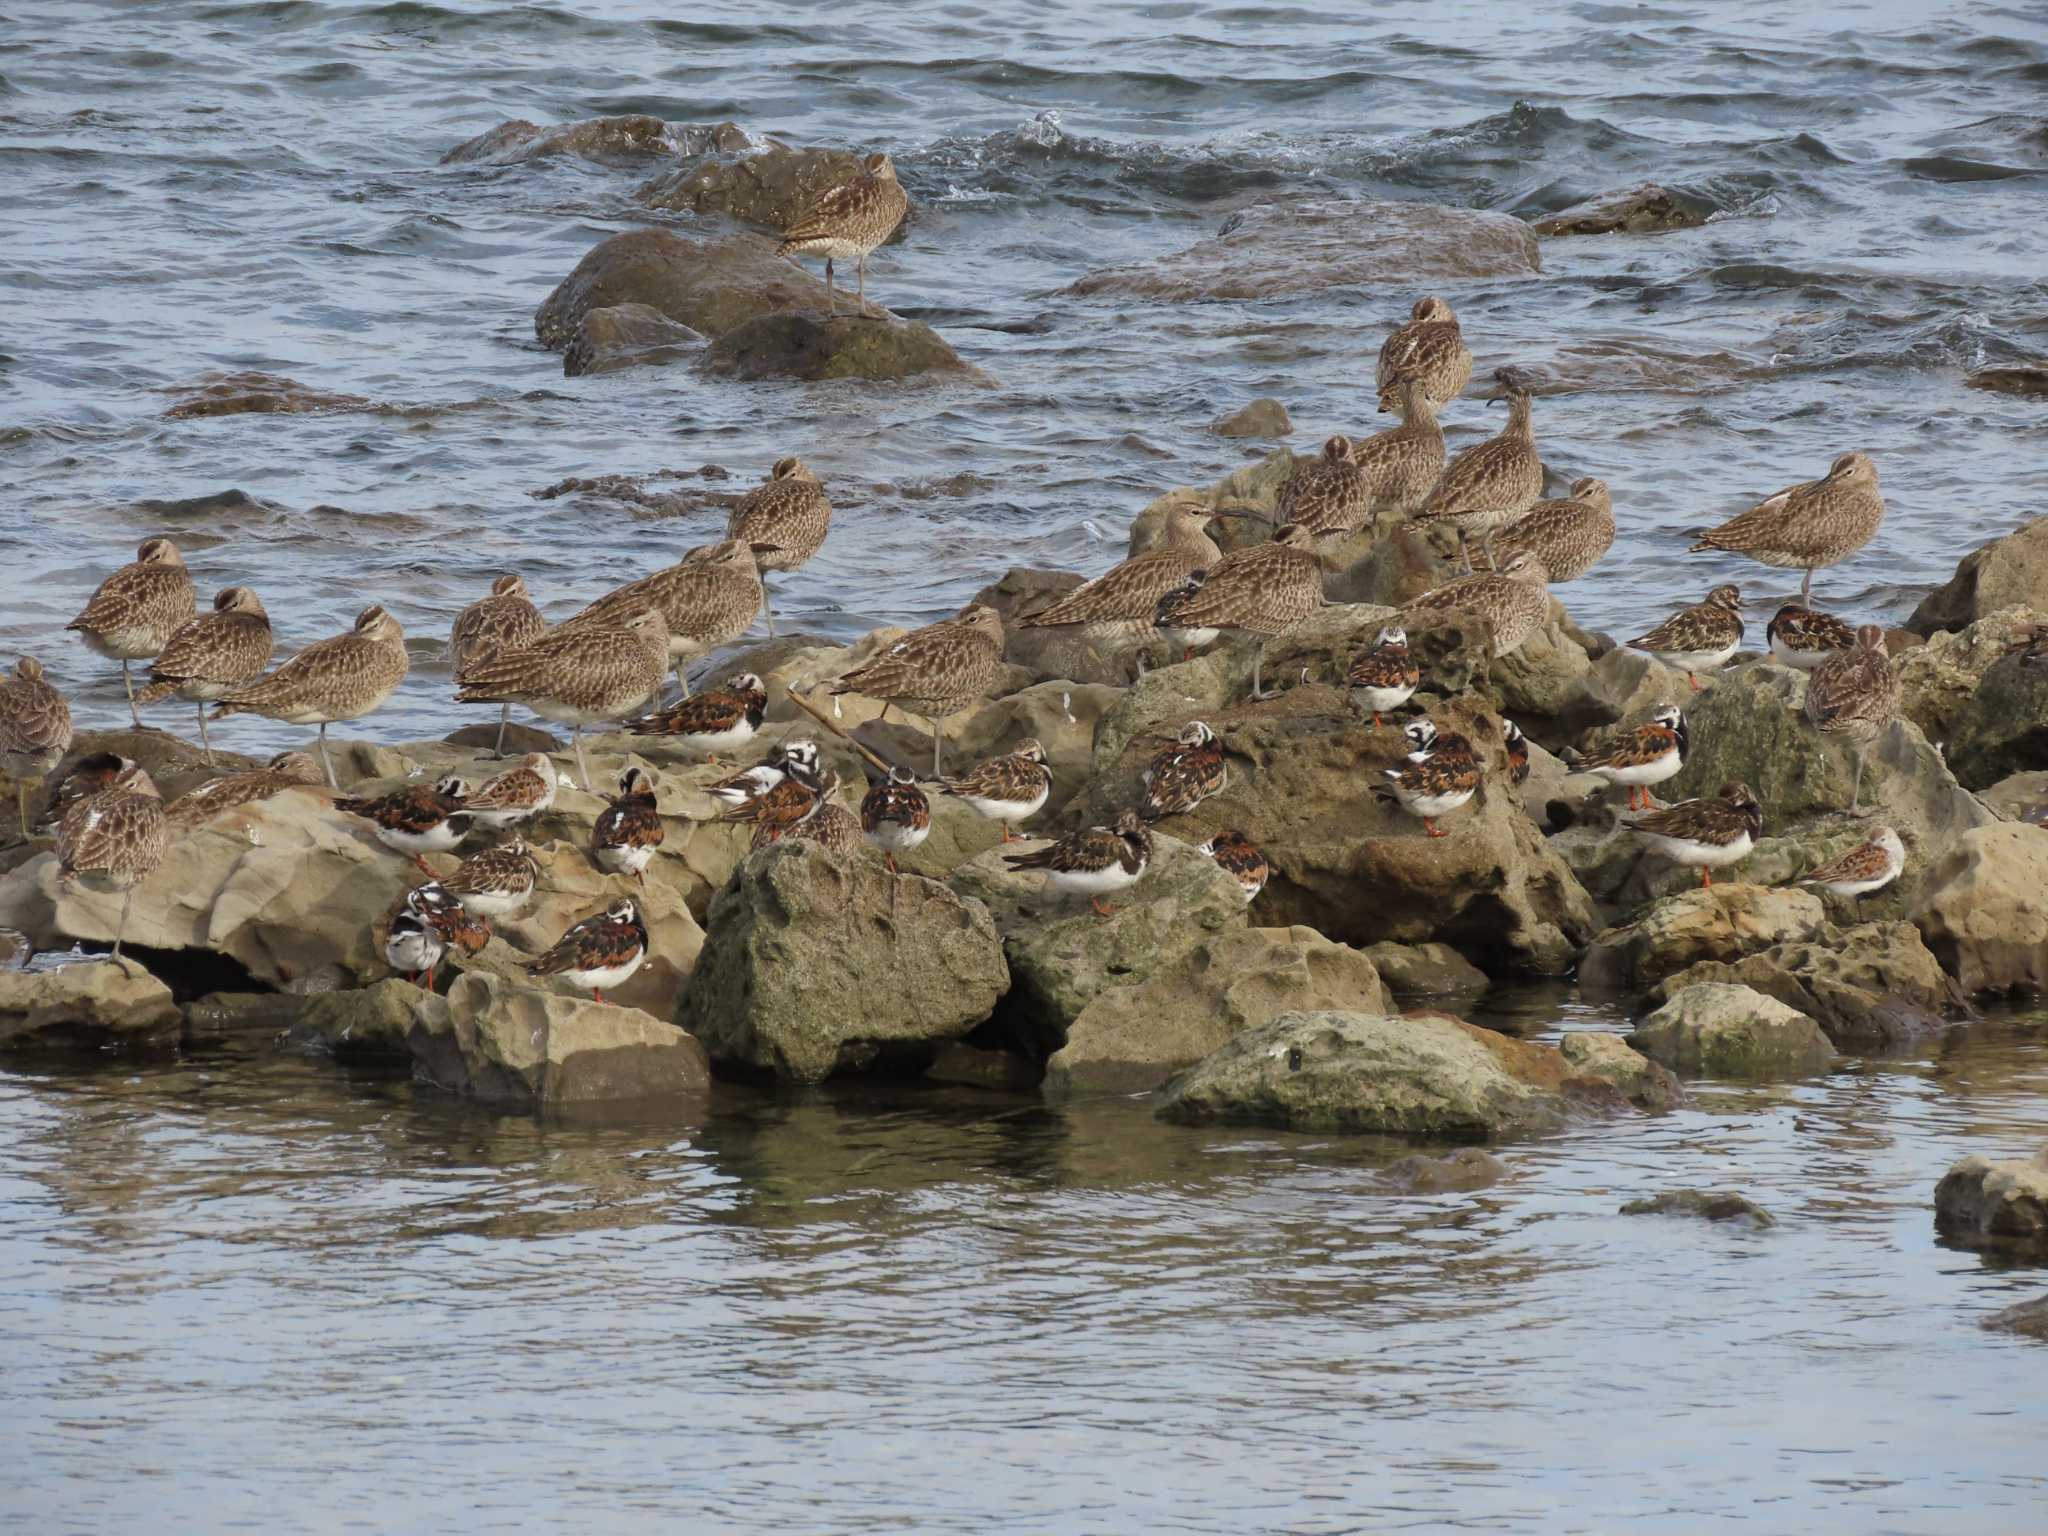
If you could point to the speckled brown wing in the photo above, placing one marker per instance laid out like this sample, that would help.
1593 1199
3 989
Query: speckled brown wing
707 714
792 514
1450 767
288 770
1088 851
505 870
143 601
832 827
1866 861
1384 666
1265 589
504 621
226 649
862 212
1637 747
1515 609
599 942
1327 496
1182 777
118 834
1011 779
1704 627
1709 820
516 789
595 669
1126 593
1853 692
1815 522
343 676
1568 535
703 603
779 808
415 810
1402 467
937 670
35 722
87 777
1432 351
1808 631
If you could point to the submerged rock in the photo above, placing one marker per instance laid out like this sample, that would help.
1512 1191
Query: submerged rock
1707 1204
257 394
2010 381
1716 1029
1425 969
2006 573
2004 1206
1983 909
771 186
805 344
605 139
228 1015
1641 209
2027 1318
1261 418
363 1023
1454 1173
1644 1083
625 336
710 284
91 1005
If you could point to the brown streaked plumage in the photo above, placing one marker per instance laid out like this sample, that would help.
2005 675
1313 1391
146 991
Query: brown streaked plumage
936 671
604 950
718 721
1006 789
506 618
1330 495
847 222
896 816
1094 861
1568 535
1705 833
1641 756
113 840
1868 867
1439 775
417 819
707 598
626 835
35 730
833 827
1262 590
134 612
496 882
1805 637
1121 603
784 803
1855 693
341 678
781 819
211 654
1492 483
1429 348
1247 866
81 781
1807 526
1185 774
1402 466
1386 676
287 770
1513 600
788 517
1698 638
516 794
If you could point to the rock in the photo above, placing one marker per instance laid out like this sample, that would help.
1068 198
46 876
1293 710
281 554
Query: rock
709 284
819 964
173 765
1261 418
1620 687
1456 1173
2001 727
1608 1058
256 394
1720 922
1983 909
1425 969
969 1066
528 1049
624 336
89 1005
2008 572
1719 1030
1063 651
1939 680
1707 1204
519 739
364 1023
607 140
230 1015
1416 1075
806 344
771 187
1295 245
1982 1204
2027 1318
1130 1039
1062 956
2019 797
1645 208
2010 381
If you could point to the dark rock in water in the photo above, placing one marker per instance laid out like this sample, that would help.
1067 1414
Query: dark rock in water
2001 1206
771 187
1709 1205
1466 1169
625 336
1261 418
1306 245
2010 381
807 344
2006 573
240 394
362 1024
519 739
969 1066
218 503
2028 1319
1642 209
225 1015
604 139
708 284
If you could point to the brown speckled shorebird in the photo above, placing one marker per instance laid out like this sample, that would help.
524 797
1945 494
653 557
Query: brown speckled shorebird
85 778
706 599
1430 348
287 770
1007 789
1568 535
1119 605
135 611
518 794
211 654
1868 867
847 222
498 882
1513 600
580 676
1805 527
625 837
111 841
1698 638
936 671
1093 862
1263 590
832 827
1329 495
1492 483
506 618
1805 637
1185 774
1706 833
35 731
1855 694
340 678
785 520
1403 466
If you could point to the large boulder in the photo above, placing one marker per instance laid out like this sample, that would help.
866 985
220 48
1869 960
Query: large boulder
771 187
807 344
1983 908
2003 1206
1425 970
1130 1039
819 963
625 336
2007 572
1595 1054
710 284
1938 679
363 1023
528 1049
1721 922
1645 208
91 1005
2001 726
1296 245
1719 1030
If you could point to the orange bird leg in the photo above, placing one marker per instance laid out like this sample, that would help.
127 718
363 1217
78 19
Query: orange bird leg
1187 653
425 868
1100 909
1006 831
1430 827
1694 681
890 860
1706 877
1375 719
598 993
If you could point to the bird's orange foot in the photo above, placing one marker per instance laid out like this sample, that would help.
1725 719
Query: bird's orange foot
425 868
1100 909
1006 832
1430 828
1694 681
598 993
890 860
1706 879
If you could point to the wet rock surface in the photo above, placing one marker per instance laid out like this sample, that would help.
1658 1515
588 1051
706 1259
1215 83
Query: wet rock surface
1983 909
805 344
771 186
2011 572
1705 1205
710 284
1260 418
607 140
1996 1205
90 1005
626 336
1645 208
1718 1029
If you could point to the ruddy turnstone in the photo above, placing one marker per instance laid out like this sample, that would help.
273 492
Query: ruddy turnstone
1518 751
340 678
506 618
457 926
1492 483
211 654
287 770
498 881
35 731
1263 590
1385 677
134 612
1705 834
1329 496
791 798
1568 535
1247 866
1855 694
1513 600
1121 603
721 720
604 950
1868 867
1805 527
417 819
517 794
786 519
1441 773
1403 466
626 836
1185 774
1428 348
832 827
411 945
706 599
936 671
1641 756
847 222
1699 638
896 817
1093 862
113 840
580 676
739 788
1006 789
1805 637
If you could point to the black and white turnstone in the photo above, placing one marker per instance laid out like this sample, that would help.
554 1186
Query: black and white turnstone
411 945
1385 677
737 789
626 836
1699 638
1440 774
604 950
417 819
1094 862
795 795
1007 789
896 817
1865 868
1707 833
1518 751
1805 637
132 615
1185 774
1807 526
1641 756
496 882
722 719
1247 866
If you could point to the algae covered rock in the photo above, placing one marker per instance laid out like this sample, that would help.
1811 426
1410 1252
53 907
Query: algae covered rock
771 186
1983 909
2003 1206
709 283
2008 572
1720 922
363 1023
631 136
87 1006
1425 969
1644 208
2001 727
1705 1204
807 344
625 336
1606 1058
1720 1030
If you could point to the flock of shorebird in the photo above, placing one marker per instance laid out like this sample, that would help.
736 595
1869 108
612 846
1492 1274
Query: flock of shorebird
609 663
